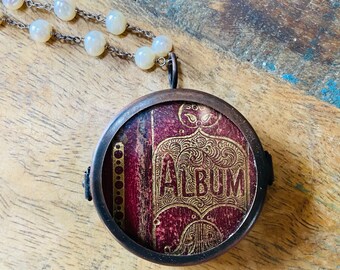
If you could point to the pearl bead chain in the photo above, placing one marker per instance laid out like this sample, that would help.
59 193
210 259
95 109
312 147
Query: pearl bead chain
40 30
115 22
145 58
162 45
13 4
65 9
94 41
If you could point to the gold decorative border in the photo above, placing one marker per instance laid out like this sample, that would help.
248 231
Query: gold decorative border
118 209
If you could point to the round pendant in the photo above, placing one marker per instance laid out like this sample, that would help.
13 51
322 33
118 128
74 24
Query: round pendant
179 177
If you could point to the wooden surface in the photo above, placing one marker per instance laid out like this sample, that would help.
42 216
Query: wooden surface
275 61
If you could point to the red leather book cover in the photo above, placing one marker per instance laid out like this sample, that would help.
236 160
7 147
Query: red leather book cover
183 178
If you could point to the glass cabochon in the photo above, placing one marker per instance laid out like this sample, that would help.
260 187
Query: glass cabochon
179 178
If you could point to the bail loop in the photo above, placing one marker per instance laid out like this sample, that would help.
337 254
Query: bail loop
172 70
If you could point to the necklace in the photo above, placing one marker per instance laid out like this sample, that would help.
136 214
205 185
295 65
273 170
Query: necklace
94 42
179 176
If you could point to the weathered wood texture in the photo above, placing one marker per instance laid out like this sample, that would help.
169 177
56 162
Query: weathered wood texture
296 40
55 101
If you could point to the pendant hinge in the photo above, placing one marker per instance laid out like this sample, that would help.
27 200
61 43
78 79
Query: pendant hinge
86 184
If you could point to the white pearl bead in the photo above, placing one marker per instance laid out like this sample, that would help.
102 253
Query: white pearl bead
162 45
116 22
65 9
13 4
145 58
94 43
40 30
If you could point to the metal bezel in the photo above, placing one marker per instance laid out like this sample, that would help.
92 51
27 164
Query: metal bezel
166 96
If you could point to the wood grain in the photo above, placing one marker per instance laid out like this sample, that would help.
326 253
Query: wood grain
55 101
296 40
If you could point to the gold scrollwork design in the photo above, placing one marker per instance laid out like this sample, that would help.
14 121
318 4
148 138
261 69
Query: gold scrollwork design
197 237
199 171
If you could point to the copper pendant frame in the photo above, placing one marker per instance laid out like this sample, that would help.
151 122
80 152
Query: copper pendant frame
93 178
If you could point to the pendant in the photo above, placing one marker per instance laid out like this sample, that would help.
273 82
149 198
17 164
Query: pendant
179 176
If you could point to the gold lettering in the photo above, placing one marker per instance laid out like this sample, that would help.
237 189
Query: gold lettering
184 186
200 176
168 179
219 183
235 185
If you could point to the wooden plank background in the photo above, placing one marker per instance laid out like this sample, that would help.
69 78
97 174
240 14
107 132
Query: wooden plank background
275 61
